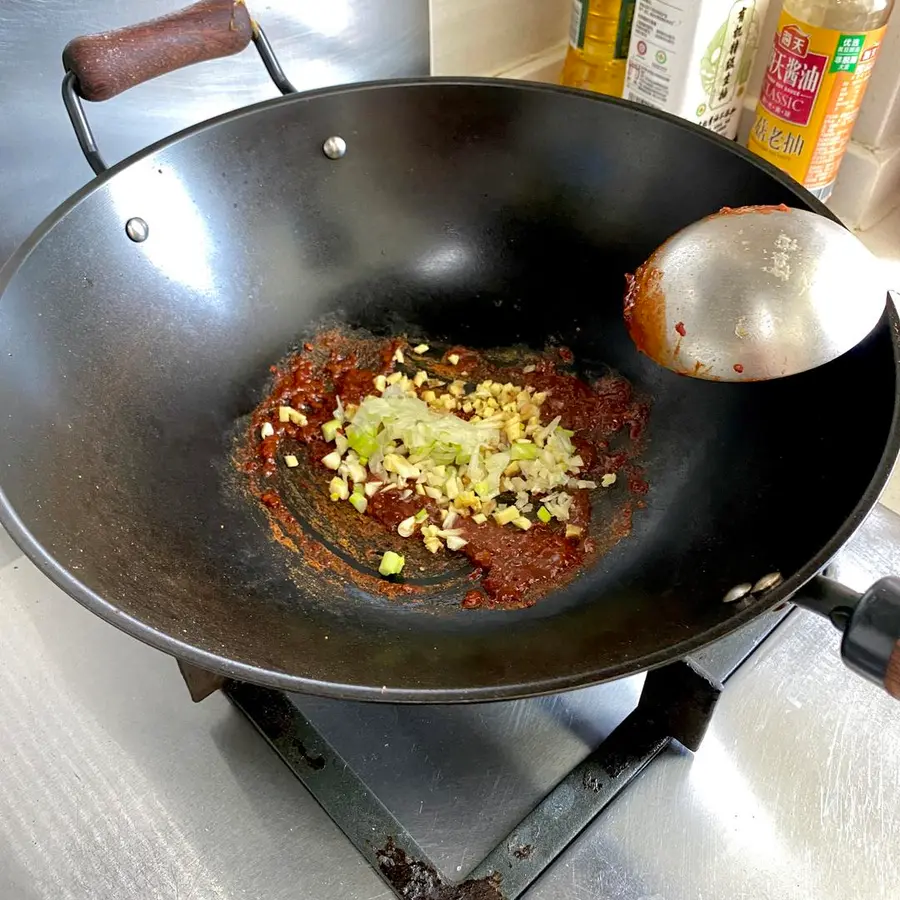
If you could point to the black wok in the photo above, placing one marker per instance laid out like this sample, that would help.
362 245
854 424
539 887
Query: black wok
482 212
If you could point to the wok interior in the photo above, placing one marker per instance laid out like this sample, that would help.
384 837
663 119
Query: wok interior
483 215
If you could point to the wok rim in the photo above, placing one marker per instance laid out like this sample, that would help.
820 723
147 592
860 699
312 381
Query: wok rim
281 680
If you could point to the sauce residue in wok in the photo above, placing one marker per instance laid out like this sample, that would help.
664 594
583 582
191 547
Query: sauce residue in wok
513 567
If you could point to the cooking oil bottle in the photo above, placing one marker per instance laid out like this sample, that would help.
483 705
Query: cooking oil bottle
599 33
821 60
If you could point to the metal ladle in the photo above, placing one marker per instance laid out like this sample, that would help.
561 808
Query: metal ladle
754 293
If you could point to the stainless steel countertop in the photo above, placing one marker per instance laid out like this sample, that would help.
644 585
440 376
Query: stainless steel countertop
114 785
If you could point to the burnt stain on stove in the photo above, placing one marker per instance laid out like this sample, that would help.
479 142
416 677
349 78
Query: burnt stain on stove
315 762
524 851
281 726
592 783
413 879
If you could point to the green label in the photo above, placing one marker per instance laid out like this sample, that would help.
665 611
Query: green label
578 23
623 33
847 53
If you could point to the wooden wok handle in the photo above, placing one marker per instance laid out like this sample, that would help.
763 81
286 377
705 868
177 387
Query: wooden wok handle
892 676
107 64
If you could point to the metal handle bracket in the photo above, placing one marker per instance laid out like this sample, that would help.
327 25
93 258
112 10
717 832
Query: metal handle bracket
81 125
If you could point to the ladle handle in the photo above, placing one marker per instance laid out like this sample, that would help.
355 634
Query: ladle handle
870 623
107 64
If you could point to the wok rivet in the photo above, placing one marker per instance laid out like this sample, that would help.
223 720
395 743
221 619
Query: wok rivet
137 229
767 582
335 147
738 591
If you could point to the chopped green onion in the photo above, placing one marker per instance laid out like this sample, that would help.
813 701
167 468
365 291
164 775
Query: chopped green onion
444 453
291 461
332 461
330 429
421 515
359 488
363 442
391 564
357 473
338 489
506 515
523 450
393 462
266 431
358 502
544 515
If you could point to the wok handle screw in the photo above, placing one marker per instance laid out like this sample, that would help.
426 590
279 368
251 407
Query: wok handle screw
334 147
137 229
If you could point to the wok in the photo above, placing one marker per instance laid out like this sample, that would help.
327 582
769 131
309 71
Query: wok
138 324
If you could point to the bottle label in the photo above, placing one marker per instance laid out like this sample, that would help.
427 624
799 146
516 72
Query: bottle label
693 58
578 26
810 98
623 31
578 23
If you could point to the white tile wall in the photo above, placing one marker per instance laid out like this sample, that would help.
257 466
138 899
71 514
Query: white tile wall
486 37
868 185
546 66
878 124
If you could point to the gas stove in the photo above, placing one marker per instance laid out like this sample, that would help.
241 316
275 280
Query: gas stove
116 785
782 785
429 797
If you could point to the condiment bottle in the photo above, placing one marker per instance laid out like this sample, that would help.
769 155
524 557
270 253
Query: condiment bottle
822 57
693 58
599 32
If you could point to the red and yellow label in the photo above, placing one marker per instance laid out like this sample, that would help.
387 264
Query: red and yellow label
810 98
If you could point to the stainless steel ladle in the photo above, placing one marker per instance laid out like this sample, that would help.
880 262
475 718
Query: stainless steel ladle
754 293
